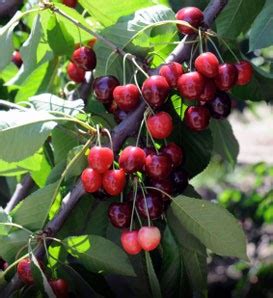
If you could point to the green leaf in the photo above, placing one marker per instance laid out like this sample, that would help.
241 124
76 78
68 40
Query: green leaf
154 283
23 133
40 176
80 165
99 255
237 17
4 218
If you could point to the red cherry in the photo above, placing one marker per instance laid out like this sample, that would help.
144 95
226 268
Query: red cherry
175 153
180 179
155 90
158 166
207 64
226 77
132 159
171 72
197 118
103 88
60 288
191 85
70 3
209 91
149 238
127 97
100 158
113 181
120 214
75 73
24 271
154 203
220 106
85 58
17 58
245 72
91 180
192 15
165 185
160 125
129 242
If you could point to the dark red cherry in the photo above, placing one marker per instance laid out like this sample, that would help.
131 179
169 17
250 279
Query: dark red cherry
75 73
220 106
209 91
70 3
17 58
226 77
245 72
149 238
180 179
160 125
207 64
193 15
24 271
171 72
85 58
154 203
120 115
129 242
91 180
127 97
113 181
132 159
164 185
197 118
120 214
100 158
191 85
149 150
60 288
175 153
155 90
158 166
103 88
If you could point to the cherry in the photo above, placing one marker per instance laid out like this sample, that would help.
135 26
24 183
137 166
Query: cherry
129 242
103 88
60 287
100 158
70 3
197 118
171 72
149 238
149 150
75 73
111 107
165 185
85 58
24 271
113 181
155 90
209 91
154 203
193 15
191 85
158 166
17 58
180 181
120 214
220 106
120 115
175 153
91 180
207 64
160 125
245 72
127 97
226 77
132 159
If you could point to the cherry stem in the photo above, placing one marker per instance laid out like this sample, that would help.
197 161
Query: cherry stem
229 48
160 190
108 61
200 42
216 49
134 204
151 137
98 135
146 205
138 67
124 67
139 132
121 197
109 137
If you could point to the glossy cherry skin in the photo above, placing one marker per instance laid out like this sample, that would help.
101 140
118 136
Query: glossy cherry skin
149 238
193 15
85 58
209 91
226 77
160 125
154 203
207 64
171 72
220 106
132 159
155 90
126 97
100 158
113 181
245 72
149 150
91 180
103 88
197 118
75 73
175 153
60 288
180 180
70 3
17 58
119 214
164 185
191 85
24 271
158 166
129 242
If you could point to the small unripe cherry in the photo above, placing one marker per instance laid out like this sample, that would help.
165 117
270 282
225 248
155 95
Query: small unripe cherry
100 158
91 180
149 238
171 72
160 125
75 73
129 242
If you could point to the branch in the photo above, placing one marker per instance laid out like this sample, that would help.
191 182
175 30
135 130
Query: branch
84 89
